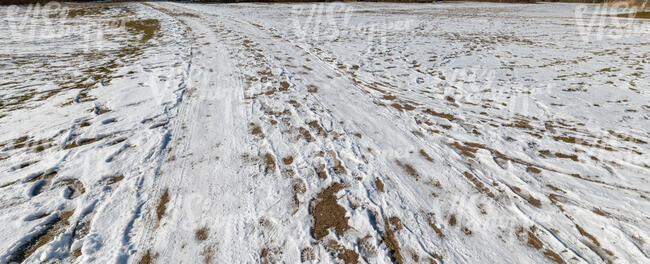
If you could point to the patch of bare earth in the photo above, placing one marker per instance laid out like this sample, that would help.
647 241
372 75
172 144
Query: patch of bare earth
162 205
328 213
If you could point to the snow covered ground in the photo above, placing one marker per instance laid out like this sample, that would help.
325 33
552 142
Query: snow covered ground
324 133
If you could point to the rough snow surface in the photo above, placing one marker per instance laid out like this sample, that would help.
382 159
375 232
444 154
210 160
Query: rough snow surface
324 133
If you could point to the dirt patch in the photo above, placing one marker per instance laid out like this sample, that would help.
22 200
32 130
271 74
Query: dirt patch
392 243
409 169
162 204
328 213
433 225
464 150
284 86
315 125
148 28
379 184
452 220
288 160
306 135
115 179
322 173
338 164
202 233
257 130
449 117
348 256
147 258
54 228
269 161
478 184
425 155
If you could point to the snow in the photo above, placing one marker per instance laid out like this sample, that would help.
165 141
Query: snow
504 133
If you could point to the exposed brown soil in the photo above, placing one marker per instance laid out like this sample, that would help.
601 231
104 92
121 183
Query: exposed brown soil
306 135
147 258
434 226
162 205
269 161
54 229
348 256
452 220
478 184
288 160
257 130
328 213
322 173
449 117
464 150
202 234
314 124
338 164
115 179
425 155
379 184
409 169
392 243
148 28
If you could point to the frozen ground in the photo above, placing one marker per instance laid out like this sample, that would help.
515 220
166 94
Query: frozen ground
372 133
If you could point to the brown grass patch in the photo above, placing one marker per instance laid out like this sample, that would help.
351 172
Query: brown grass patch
148 28
379 184
425 155
202 234
328 213
287 160
434 226
452 220
534 170
464 150
306 135
257 130
348 256
162 204
409 169
284 86
83 141
269 161
550 254
392 243
115 179
478 184
54 229
315 125
147 258
449 117
338 164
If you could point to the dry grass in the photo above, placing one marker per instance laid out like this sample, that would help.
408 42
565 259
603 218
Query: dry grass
162 205
379 184
409 169
434 226
269 161
348 256
328 213
54 229
202 233
425 155
392 243
147 258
